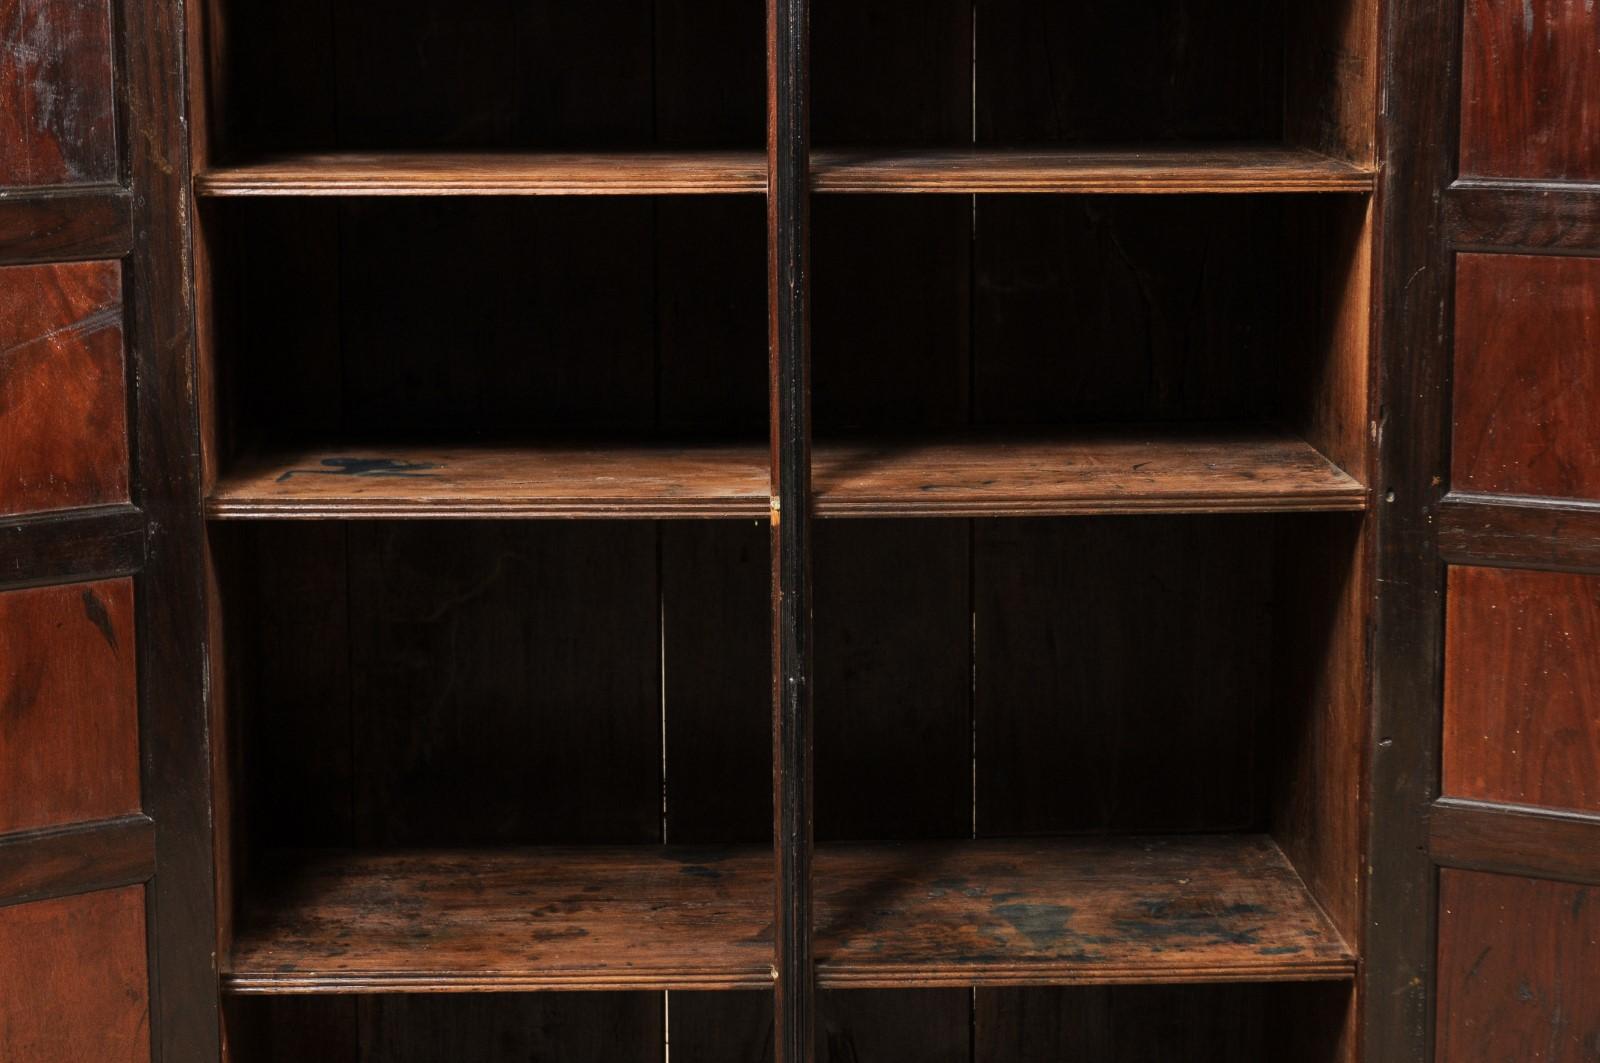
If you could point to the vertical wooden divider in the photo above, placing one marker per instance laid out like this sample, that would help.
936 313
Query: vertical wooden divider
788 216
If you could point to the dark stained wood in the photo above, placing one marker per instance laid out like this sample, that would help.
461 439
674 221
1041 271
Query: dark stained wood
1530 89
598 480
1516 969
1333 77
1188 169
1093 911
1520 532
1558 216
1515 840
69 705
1526 392
505 920
71 860
480 174
1123 674
1155 1024
66 225
890 73
1522 688
57 108
71 545
924 1025
63 402
77 984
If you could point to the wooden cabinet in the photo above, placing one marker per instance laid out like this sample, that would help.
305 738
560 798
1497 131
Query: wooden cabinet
973 531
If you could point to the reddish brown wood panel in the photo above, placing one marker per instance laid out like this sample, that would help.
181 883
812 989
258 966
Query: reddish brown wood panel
69 722
1527 382
76 983
63 404
1530 94
1517 970
57 111
1522 687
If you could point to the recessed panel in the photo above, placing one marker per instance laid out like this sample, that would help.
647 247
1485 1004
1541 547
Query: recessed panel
57 115
1518 962
1522 688
76 983
1527 379
69 730
63 400
1530 93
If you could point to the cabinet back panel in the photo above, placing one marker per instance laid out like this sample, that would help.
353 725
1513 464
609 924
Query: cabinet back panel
316 75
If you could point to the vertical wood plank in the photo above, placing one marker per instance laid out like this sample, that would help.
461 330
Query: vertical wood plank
77 983
1522 688
63 400
69 714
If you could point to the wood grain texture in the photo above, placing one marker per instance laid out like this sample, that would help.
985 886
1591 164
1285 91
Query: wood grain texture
70 545
1517 959
77 982
1553 215
1530 89
57 108
1520 532
65 225
497 174
70 860
1214 908
1249 168
63 402
1526 387
1515 840
1133 910
504 920
1149 468
69 717
1522 688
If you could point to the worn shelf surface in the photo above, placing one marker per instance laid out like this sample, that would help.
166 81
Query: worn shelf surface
1173 169
1056 912
1065 912
535 480
491 174
1164 469
1167 168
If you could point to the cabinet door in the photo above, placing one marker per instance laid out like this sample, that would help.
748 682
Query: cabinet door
1485 938
105 896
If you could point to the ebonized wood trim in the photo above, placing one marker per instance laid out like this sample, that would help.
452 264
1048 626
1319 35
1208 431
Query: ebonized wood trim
62 862
1515 840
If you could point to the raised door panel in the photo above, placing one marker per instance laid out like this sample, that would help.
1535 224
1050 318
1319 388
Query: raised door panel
1530 98
74 984
1519 961
63 394
57 106
1527 376
69 724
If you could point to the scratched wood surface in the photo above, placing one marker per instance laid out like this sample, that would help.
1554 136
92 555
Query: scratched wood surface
63 400
1517 962
1526 385
1522 687
70 716
1153 468
57 102
1530 89
77 982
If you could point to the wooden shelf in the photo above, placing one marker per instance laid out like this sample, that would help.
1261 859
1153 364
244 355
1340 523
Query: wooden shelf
1162 469
513 920
1216 908
536 480
1196 169
1113 469
1165 168
1058 912
491 174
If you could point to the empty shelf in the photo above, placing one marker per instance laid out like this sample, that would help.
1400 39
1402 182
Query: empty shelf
491 174
1166 168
